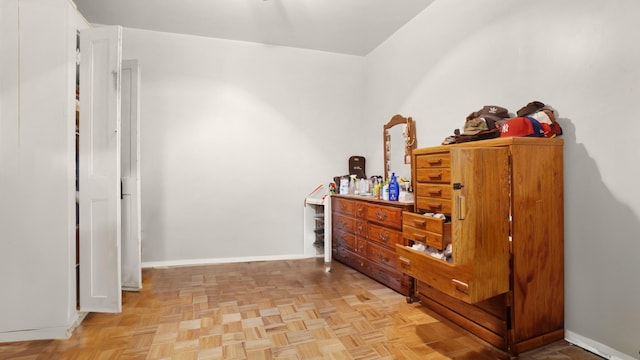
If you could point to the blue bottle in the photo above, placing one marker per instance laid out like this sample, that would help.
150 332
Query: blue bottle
394 188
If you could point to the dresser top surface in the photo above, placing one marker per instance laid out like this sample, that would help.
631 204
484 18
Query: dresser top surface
374 200
502 141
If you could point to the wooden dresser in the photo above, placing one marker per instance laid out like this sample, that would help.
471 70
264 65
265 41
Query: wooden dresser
503 199
365 233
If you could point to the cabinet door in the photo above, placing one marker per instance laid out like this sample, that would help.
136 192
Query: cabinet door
480 221
99 163
130 151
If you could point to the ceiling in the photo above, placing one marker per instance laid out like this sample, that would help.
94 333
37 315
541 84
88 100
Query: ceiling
343 26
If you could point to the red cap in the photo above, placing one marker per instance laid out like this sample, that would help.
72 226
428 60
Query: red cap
519 126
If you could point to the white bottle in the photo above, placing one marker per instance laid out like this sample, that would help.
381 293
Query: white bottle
344 185
385 192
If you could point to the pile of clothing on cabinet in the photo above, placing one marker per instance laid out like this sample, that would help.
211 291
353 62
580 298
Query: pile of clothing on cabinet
534 119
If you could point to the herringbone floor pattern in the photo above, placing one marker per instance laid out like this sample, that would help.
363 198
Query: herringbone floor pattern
268 310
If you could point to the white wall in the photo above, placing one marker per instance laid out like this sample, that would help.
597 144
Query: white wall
582 57
234 135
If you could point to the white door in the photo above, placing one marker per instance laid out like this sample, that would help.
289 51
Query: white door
131 257
99 163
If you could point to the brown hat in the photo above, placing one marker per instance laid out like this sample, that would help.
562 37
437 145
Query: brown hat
531 107
493 112
475 126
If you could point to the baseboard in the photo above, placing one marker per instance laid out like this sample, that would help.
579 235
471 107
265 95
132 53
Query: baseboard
595 347
190 262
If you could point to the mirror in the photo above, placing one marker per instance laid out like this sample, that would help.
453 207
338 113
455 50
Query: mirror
398 141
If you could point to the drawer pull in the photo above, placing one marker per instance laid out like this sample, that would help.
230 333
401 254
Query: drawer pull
434 191
461 286
420 237
343 206
381 216
360 210
383 237
417 222
404 260
437 161
461 208
437 175
434 206
360 228
384 259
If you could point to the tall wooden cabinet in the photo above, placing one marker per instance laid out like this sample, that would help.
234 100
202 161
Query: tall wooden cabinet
503 199
365 232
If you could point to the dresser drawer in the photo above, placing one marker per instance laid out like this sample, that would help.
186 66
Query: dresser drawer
362 246
344 239
462 281
429 230
433 160
390 277
435 240
436 191
490 314
351 258
343 206
435 175
361 227
423 222
434 205
381 255
385 215
344 223
360 209
435 272
384 236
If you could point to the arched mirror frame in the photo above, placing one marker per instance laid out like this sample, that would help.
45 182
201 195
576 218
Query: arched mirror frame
409 135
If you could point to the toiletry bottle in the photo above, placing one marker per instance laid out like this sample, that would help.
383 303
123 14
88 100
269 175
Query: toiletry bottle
394 188
376 188
344 185
385 191
352 185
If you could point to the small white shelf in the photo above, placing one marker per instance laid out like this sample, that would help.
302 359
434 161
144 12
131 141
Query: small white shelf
317 213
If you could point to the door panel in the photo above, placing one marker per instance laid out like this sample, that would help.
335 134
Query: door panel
130 151
480 220
99 175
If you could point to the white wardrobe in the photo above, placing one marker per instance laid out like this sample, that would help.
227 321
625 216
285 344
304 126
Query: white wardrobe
38 219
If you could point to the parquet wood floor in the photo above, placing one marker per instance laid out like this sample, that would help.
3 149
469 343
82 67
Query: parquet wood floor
268 310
